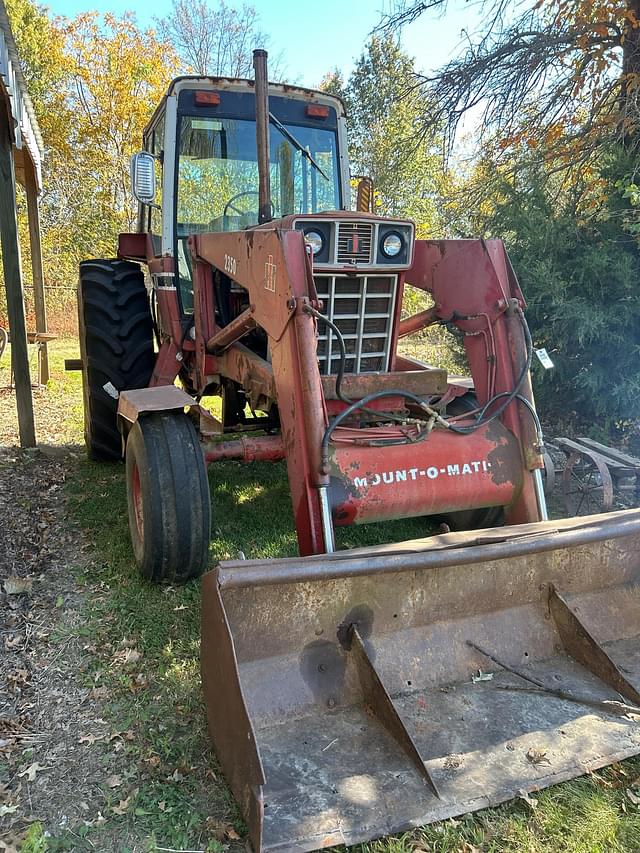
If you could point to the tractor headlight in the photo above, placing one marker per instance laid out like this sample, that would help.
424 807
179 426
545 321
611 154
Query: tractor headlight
314 240
392 245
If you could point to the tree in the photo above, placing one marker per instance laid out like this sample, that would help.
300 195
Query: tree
580 278
386 140
215 40
563 75
95 84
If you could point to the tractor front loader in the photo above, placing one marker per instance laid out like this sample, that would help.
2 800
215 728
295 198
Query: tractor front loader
351 693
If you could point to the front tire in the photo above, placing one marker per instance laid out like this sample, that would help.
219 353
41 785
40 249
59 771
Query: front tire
168 498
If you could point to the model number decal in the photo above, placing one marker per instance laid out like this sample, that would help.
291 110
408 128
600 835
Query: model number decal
432 473
230 264
270 270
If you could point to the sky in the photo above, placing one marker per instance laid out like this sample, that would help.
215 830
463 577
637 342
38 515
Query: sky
316 37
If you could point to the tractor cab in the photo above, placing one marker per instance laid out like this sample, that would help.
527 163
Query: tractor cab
201 146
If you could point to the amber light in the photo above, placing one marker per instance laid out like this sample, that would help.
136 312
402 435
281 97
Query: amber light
207 99
317 111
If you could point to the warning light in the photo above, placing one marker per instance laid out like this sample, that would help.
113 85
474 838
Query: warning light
207 99
317 111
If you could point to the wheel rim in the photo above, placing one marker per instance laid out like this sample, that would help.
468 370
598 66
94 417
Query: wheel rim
136 494
587 484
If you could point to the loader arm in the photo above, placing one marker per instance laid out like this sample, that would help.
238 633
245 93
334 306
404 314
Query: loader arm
475 289
273 266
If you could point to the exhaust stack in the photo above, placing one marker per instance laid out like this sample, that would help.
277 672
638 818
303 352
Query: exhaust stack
262 134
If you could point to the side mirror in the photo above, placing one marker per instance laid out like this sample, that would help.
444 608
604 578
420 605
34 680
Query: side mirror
143 177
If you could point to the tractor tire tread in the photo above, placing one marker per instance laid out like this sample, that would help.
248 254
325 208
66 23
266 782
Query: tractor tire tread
116 345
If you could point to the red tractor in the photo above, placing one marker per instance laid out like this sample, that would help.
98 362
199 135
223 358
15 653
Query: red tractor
265 289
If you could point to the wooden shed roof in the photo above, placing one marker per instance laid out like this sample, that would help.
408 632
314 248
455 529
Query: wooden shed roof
13 90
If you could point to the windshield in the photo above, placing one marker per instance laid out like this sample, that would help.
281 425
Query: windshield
218 173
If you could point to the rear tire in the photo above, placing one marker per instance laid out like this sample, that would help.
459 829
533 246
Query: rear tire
168 498
116 347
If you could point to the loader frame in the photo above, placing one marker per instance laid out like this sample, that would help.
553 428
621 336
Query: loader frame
473 287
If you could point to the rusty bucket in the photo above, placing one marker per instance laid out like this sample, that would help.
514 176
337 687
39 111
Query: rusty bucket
363 693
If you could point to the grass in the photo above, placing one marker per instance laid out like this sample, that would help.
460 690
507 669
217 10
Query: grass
58 407
593 814
174 793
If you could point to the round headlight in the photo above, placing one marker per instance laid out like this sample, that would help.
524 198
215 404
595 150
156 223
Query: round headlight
315 241
392 245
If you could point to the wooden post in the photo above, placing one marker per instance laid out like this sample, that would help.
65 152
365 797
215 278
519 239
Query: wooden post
31 188
13 286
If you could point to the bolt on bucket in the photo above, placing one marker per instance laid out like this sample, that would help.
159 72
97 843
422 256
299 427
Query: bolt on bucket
363 693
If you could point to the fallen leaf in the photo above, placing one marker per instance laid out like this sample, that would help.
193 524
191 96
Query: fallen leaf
114 781
132 656
99 693
17 586
162 805
18 678
122 806
221 831
4 810
90 739
138 682
634 798
530 801
537 755
32 770
12 641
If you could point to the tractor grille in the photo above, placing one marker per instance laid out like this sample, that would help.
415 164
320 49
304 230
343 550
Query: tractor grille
354 242
362 308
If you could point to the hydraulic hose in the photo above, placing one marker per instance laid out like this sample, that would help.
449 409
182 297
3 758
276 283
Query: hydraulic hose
510 395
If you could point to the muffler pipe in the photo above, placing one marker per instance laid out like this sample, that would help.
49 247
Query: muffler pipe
262 134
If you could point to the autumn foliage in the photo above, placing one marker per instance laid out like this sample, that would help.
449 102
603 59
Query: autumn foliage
94 82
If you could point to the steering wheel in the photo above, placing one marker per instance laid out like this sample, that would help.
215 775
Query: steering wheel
230 205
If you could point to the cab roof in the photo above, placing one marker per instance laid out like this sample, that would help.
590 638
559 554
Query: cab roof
234 84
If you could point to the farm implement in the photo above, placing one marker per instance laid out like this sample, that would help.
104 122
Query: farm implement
350 693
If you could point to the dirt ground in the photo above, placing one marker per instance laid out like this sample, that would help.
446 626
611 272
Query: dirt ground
46 722
96 753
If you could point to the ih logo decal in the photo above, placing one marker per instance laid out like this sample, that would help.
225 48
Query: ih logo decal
270 270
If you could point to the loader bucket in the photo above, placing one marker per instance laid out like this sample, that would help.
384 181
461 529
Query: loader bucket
366 692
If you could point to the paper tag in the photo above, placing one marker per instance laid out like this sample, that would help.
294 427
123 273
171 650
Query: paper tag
544 358
111 390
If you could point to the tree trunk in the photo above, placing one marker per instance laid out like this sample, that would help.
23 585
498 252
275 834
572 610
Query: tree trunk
629 90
